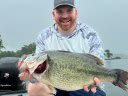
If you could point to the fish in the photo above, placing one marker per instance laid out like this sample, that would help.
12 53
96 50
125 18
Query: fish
71 71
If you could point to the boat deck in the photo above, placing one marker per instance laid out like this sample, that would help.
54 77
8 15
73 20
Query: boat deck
13 93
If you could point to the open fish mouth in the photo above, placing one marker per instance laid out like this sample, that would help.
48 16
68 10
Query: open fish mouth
41 68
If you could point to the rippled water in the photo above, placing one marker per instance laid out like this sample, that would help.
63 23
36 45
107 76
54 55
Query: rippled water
110 89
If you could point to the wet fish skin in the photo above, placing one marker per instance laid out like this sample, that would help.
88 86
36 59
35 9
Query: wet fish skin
71 71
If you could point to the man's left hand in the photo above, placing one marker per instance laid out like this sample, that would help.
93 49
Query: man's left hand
93 88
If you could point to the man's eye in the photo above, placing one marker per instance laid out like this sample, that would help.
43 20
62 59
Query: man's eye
59 12
69 10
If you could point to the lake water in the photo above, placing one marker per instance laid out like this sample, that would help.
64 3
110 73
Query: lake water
110 89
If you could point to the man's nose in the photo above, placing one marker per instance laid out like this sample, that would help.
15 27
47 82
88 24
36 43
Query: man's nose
64 15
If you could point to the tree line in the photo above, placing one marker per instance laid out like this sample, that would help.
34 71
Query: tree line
26 49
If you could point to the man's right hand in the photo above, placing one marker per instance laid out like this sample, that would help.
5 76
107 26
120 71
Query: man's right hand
39 89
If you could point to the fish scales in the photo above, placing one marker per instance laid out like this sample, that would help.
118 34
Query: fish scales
72 71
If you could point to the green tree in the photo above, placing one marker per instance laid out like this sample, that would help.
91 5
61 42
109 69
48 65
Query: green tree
7 54
108 54
1 43
26 49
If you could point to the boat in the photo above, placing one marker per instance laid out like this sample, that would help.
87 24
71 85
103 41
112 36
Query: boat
10 84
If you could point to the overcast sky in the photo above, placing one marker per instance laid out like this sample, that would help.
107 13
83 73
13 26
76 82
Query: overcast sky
22 20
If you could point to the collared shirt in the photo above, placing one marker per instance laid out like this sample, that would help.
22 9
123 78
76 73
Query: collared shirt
82 40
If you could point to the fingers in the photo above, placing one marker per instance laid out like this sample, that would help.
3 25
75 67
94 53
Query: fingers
39 89
24 76
97 81
93 87
86 88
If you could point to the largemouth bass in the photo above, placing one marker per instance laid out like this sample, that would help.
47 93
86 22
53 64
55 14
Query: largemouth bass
71 71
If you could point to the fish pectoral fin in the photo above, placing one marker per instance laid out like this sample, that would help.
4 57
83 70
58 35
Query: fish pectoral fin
53 90
50 86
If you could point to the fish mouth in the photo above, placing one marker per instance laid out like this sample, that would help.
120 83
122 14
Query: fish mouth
42 67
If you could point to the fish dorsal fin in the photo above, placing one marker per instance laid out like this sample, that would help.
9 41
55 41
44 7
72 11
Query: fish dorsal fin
94 57
64 51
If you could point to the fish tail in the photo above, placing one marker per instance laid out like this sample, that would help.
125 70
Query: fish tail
121 79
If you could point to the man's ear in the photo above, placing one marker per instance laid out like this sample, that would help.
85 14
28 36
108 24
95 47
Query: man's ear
53 13
76 12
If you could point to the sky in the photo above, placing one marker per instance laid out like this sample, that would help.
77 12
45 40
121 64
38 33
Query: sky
22 20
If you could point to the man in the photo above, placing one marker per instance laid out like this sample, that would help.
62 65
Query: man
69 35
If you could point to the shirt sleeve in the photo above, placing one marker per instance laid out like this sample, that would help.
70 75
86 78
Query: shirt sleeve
40 42
96 45
40 45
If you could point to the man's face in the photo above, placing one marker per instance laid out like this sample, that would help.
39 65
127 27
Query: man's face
65 17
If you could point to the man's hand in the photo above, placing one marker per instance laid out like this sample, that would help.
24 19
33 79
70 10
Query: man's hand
93 88
25 76
40 89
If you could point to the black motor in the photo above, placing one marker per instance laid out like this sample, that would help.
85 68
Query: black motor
9 74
